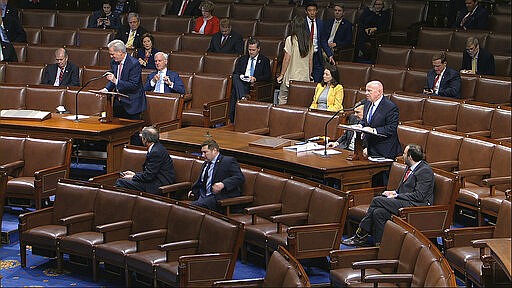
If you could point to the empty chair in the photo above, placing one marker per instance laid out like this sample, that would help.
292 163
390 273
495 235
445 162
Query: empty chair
90 72
246 28
72 19
222 10
429 38
83 56
41 54
392 79
186 62
467 86
411 134
251 117
245 12
94 37
13 97
500 23
314 124
195 43
23 73
45 98
150 23
88 102
503 65
37 18
498 44
277 13
410 107
490 90
266 28
406 14
414 81
270 47
500 125
152 8
454 59
33 35
440 113
167 41
58 37
287 122
219 63
353 75
475 119
446 158
301 93
396 56
164 111
173 24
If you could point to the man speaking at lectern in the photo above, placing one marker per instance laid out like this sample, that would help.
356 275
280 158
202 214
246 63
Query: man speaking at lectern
381 117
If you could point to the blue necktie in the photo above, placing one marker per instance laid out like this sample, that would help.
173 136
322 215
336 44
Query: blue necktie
4 35
370 114
252 66
159 82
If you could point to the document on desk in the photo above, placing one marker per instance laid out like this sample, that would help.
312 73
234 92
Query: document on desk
73 117
304 147
380 159
359 128
16 114
329 152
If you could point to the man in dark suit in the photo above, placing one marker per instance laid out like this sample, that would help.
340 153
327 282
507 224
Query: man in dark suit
7 52
131 35
158 169
249 69
315 28
10 27
347 140
415 189
125 78
164 80
477 60
220 178
338 30
185 8
226 40
472 17
442 80
62 72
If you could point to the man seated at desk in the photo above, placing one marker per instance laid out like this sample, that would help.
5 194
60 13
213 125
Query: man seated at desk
347 140
220 178
158 169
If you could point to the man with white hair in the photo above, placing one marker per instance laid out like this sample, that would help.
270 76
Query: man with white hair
164 80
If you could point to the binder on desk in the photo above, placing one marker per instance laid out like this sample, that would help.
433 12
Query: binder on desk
270 142
14 114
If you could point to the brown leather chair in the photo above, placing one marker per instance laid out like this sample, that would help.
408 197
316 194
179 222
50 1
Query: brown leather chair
13 97
246 12
72 19
283 270
149 22
431 38
271 47
454 59
35 175
265 28
493 90
36 54
45 98
58 36
152 8
500 24
410 107
247 193
405 256
167 41
463 246
314 124
174 24
83 56
21 51
287 122
353 75
498 44
503 65
186 62
406 14
301 93
71 213
164 111
216 63
501 124
414 81
195 43
440 113
146 231
223 9
446 158
467 86
33 35
187 171
38 18
393 55
94 37
475 119
246 28
210 101
277 13
410 134
458 43
23 73
90 72
349 97
187 79
88 102
392 78
251 117
422 58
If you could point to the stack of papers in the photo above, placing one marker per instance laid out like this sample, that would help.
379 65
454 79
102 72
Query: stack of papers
304 147
380 159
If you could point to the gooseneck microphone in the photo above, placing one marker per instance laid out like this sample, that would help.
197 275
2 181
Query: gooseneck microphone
82 88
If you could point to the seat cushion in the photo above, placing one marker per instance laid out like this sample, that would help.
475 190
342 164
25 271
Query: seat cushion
491 204
45 236
167 272
144 261
474 270
345 277
21 185
258 233
472 193
114 252
81 243
357 213
247 219
459 256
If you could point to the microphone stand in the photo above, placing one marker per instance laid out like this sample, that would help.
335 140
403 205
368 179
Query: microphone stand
82 88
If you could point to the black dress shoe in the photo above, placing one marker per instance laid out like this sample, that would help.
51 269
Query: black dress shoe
356 240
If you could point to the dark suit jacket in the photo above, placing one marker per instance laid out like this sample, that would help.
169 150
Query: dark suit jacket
13 28
11 11
141 53
322 39
343 36
346 138
227 171
419 186
130 83
8 52
484 63
178 86
124 31
192 8
477 20
233 45
369 19
158 169
450 83
70 77
115 21
385 121
262 71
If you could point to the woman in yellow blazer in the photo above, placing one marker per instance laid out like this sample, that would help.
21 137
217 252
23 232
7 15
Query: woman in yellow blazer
329 93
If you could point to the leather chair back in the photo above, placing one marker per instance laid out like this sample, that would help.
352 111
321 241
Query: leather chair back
223 10
353 75
286 120
153 8
501 124
467 86
414 81
272 48
396 56
11 149
132 158
21 51
150 23
475 153
451 146
396 174
88 102
268 189
295 197
429 38
349 97
163 108
44 98
409 134
277 13
422 58
58 37
171 24
406 13
246 11
83 56
167 41
423 262
475 119
23 73
33 35
182 168
314 124
458 43
411 247
187 79
112 206
207 88
503 223
454 59
72 200
500 24
13 97
250 179
277 269
72 19
90 72
41 54
195 43
300 93
437 112
410 107
215 228
246 28
444 189
325 207
498 44
39 154
490 90
391 243
219 63
149 214
250 115
186 62
94 37
37 18
503 65
183 224
393 78
500 164
267 28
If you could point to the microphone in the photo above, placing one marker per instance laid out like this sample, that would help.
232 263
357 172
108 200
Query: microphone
82 88
361 102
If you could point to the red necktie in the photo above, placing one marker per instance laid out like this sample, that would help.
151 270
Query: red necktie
182 11
435 82
312 34
407 173
119 70
465 19
61 75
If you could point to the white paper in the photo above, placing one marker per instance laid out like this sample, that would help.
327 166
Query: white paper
304 147
73 117
329 152
380 159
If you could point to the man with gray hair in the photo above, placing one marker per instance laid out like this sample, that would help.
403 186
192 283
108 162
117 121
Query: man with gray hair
131 34
158 169
164 80
477 60
62 72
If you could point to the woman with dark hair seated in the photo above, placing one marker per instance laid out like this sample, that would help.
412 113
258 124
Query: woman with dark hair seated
329 93
146 54
104 18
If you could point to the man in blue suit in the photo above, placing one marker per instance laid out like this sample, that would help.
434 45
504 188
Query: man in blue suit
220 178
380 117
338 30
126 79
315 28
442 80
472 17
164 80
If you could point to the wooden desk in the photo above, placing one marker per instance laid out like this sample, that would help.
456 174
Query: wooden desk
500 251
116 134
352 174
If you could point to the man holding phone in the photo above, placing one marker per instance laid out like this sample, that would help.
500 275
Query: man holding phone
442 80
